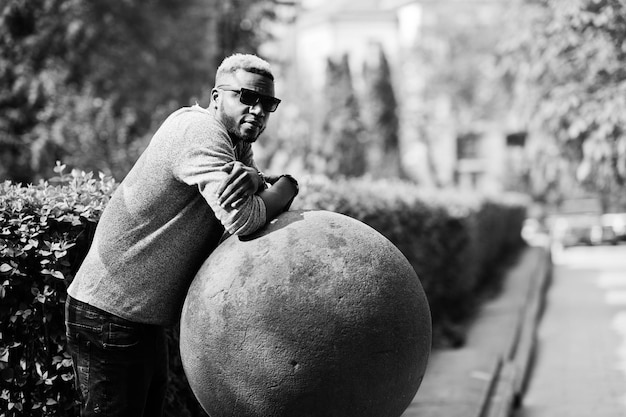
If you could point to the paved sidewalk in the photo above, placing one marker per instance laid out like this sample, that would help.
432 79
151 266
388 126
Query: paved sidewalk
487 376
578 370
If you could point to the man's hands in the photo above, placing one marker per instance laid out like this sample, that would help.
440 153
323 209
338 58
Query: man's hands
242 182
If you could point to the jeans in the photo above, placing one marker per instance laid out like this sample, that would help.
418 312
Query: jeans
121 367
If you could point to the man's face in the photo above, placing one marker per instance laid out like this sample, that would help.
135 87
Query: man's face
243 122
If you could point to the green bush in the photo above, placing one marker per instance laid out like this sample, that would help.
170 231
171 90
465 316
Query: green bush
453 241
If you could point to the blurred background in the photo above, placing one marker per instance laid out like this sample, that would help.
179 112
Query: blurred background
486 95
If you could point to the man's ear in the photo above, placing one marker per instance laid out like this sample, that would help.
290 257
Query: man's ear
215 95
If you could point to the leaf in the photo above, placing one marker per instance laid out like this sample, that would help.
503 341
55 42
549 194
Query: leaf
47 271
4 268
7 374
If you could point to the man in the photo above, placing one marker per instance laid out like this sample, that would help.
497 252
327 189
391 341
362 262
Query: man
195 179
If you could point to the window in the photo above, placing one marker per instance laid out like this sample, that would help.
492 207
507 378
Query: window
467 146
516 139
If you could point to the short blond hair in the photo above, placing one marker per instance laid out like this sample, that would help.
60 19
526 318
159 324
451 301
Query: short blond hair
246 62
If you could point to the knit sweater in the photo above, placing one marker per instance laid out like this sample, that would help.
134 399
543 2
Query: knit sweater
164 220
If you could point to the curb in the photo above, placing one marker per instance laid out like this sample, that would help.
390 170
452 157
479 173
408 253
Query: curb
512 381
487 377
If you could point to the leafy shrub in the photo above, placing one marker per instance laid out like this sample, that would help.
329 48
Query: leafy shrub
44 231
453 241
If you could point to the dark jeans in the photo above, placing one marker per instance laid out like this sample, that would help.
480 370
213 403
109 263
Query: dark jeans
120 366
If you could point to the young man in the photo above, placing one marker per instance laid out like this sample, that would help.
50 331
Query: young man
195 179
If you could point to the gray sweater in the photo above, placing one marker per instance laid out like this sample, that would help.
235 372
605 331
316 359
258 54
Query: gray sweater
164 220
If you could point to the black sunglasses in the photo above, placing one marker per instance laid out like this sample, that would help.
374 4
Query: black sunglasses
251 98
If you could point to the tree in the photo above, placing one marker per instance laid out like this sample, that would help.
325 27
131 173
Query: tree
71 64
451 85
379 109
242 24
573 57
342 142
119 66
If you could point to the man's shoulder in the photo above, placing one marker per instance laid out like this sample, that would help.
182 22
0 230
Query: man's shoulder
196 122
194 112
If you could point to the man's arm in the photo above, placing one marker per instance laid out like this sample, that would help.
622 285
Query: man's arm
244 181
279 196
202 166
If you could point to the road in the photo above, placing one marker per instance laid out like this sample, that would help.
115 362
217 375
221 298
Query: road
580 365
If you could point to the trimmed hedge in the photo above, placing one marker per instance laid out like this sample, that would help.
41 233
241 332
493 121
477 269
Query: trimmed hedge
453 241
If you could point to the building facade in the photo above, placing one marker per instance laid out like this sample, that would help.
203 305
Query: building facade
455 128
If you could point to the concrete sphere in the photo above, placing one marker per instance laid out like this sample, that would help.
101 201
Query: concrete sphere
316 315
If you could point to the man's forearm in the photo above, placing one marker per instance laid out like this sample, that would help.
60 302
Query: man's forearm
278 196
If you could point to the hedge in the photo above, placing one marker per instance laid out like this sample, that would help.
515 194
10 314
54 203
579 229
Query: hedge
44 232
453 241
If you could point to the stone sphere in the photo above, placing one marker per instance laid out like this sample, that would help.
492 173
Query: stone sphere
316 315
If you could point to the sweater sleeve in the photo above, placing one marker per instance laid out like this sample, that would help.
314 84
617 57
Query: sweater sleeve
206 149
247 157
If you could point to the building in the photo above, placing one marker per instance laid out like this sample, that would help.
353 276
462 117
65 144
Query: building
330 28
445 141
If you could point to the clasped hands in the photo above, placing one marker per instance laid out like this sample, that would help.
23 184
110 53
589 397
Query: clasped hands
242 181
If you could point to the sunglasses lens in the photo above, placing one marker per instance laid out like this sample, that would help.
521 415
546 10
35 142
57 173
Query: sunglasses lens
250 98
269 103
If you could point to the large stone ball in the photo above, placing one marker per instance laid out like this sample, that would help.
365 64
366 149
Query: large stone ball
316 315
